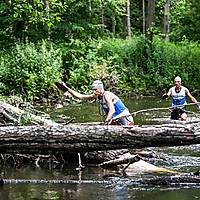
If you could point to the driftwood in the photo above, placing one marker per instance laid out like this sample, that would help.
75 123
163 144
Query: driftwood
131 164
16 115
157 109
119 161
97 157
63 139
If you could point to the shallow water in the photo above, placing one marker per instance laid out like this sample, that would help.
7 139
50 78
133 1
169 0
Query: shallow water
183 159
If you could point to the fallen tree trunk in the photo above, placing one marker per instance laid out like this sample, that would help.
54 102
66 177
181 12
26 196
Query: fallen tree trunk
156 181
62 139
17 116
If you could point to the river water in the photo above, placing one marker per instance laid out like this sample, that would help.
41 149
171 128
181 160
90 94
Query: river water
183 159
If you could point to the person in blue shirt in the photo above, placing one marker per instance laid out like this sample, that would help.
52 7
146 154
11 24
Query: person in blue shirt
179 96
111 104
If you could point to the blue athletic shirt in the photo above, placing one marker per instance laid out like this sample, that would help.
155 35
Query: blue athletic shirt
179 98
118 105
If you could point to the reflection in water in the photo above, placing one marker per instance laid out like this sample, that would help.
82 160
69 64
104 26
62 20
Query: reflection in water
184 159
120 188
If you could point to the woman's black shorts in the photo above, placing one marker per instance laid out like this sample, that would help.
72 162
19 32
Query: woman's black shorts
177 112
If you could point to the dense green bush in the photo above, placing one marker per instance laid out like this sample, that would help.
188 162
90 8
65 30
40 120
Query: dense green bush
151 69
138 67
29 70
169 60
84 62
129 58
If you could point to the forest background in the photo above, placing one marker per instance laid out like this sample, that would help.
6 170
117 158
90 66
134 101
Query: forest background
140 45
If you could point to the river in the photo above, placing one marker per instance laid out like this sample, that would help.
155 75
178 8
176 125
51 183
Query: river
183 159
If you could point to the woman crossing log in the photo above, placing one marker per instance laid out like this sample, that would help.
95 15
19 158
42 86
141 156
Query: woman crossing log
111 104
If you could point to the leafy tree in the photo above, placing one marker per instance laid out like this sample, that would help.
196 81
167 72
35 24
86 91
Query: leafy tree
191 21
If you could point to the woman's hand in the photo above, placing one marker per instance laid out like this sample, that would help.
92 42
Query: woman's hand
62 86
164 96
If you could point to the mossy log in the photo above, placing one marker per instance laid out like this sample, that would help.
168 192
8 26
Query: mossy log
63 139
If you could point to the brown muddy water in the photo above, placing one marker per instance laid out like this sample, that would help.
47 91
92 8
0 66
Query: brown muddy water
183 159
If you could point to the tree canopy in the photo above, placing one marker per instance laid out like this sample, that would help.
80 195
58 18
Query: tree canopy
60 20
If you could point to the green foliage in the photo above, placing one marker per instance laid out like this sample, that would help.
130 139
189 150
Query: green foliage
33 21
83 49
190 22
29 70
82 63
128 61
138 68
169 60
57 20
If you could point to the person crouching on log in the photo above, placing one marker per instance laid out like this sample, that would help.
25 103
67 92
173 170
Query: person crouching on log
179 94
111 105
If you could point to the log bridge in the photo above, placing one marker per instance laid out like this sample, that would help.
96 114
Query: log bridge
75 138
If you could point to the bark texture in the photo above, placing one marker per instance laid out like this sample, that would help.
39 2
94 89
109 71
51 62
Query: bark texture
85 138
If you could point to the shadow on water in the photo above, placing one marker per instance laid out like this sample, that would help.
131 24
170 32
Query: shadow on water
183 159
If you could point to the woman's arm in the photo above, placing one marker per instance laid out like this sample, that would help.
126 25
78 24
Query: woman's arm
78 95
109 102
190 96
169 93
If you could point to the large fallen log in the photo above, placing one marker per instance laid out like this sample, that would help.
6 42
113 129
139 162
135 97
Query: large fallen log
63 139
177 180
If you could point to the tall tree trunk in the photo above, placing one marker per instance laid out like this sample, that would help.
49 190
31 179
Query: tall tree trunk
128 19
113 24
124 25
102 15
150 21
150 14
166 20
144 18
47 8
90 13
90 8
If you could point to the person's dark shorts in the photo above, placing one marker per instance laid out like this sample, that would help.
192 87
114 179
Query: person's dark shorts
176 113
